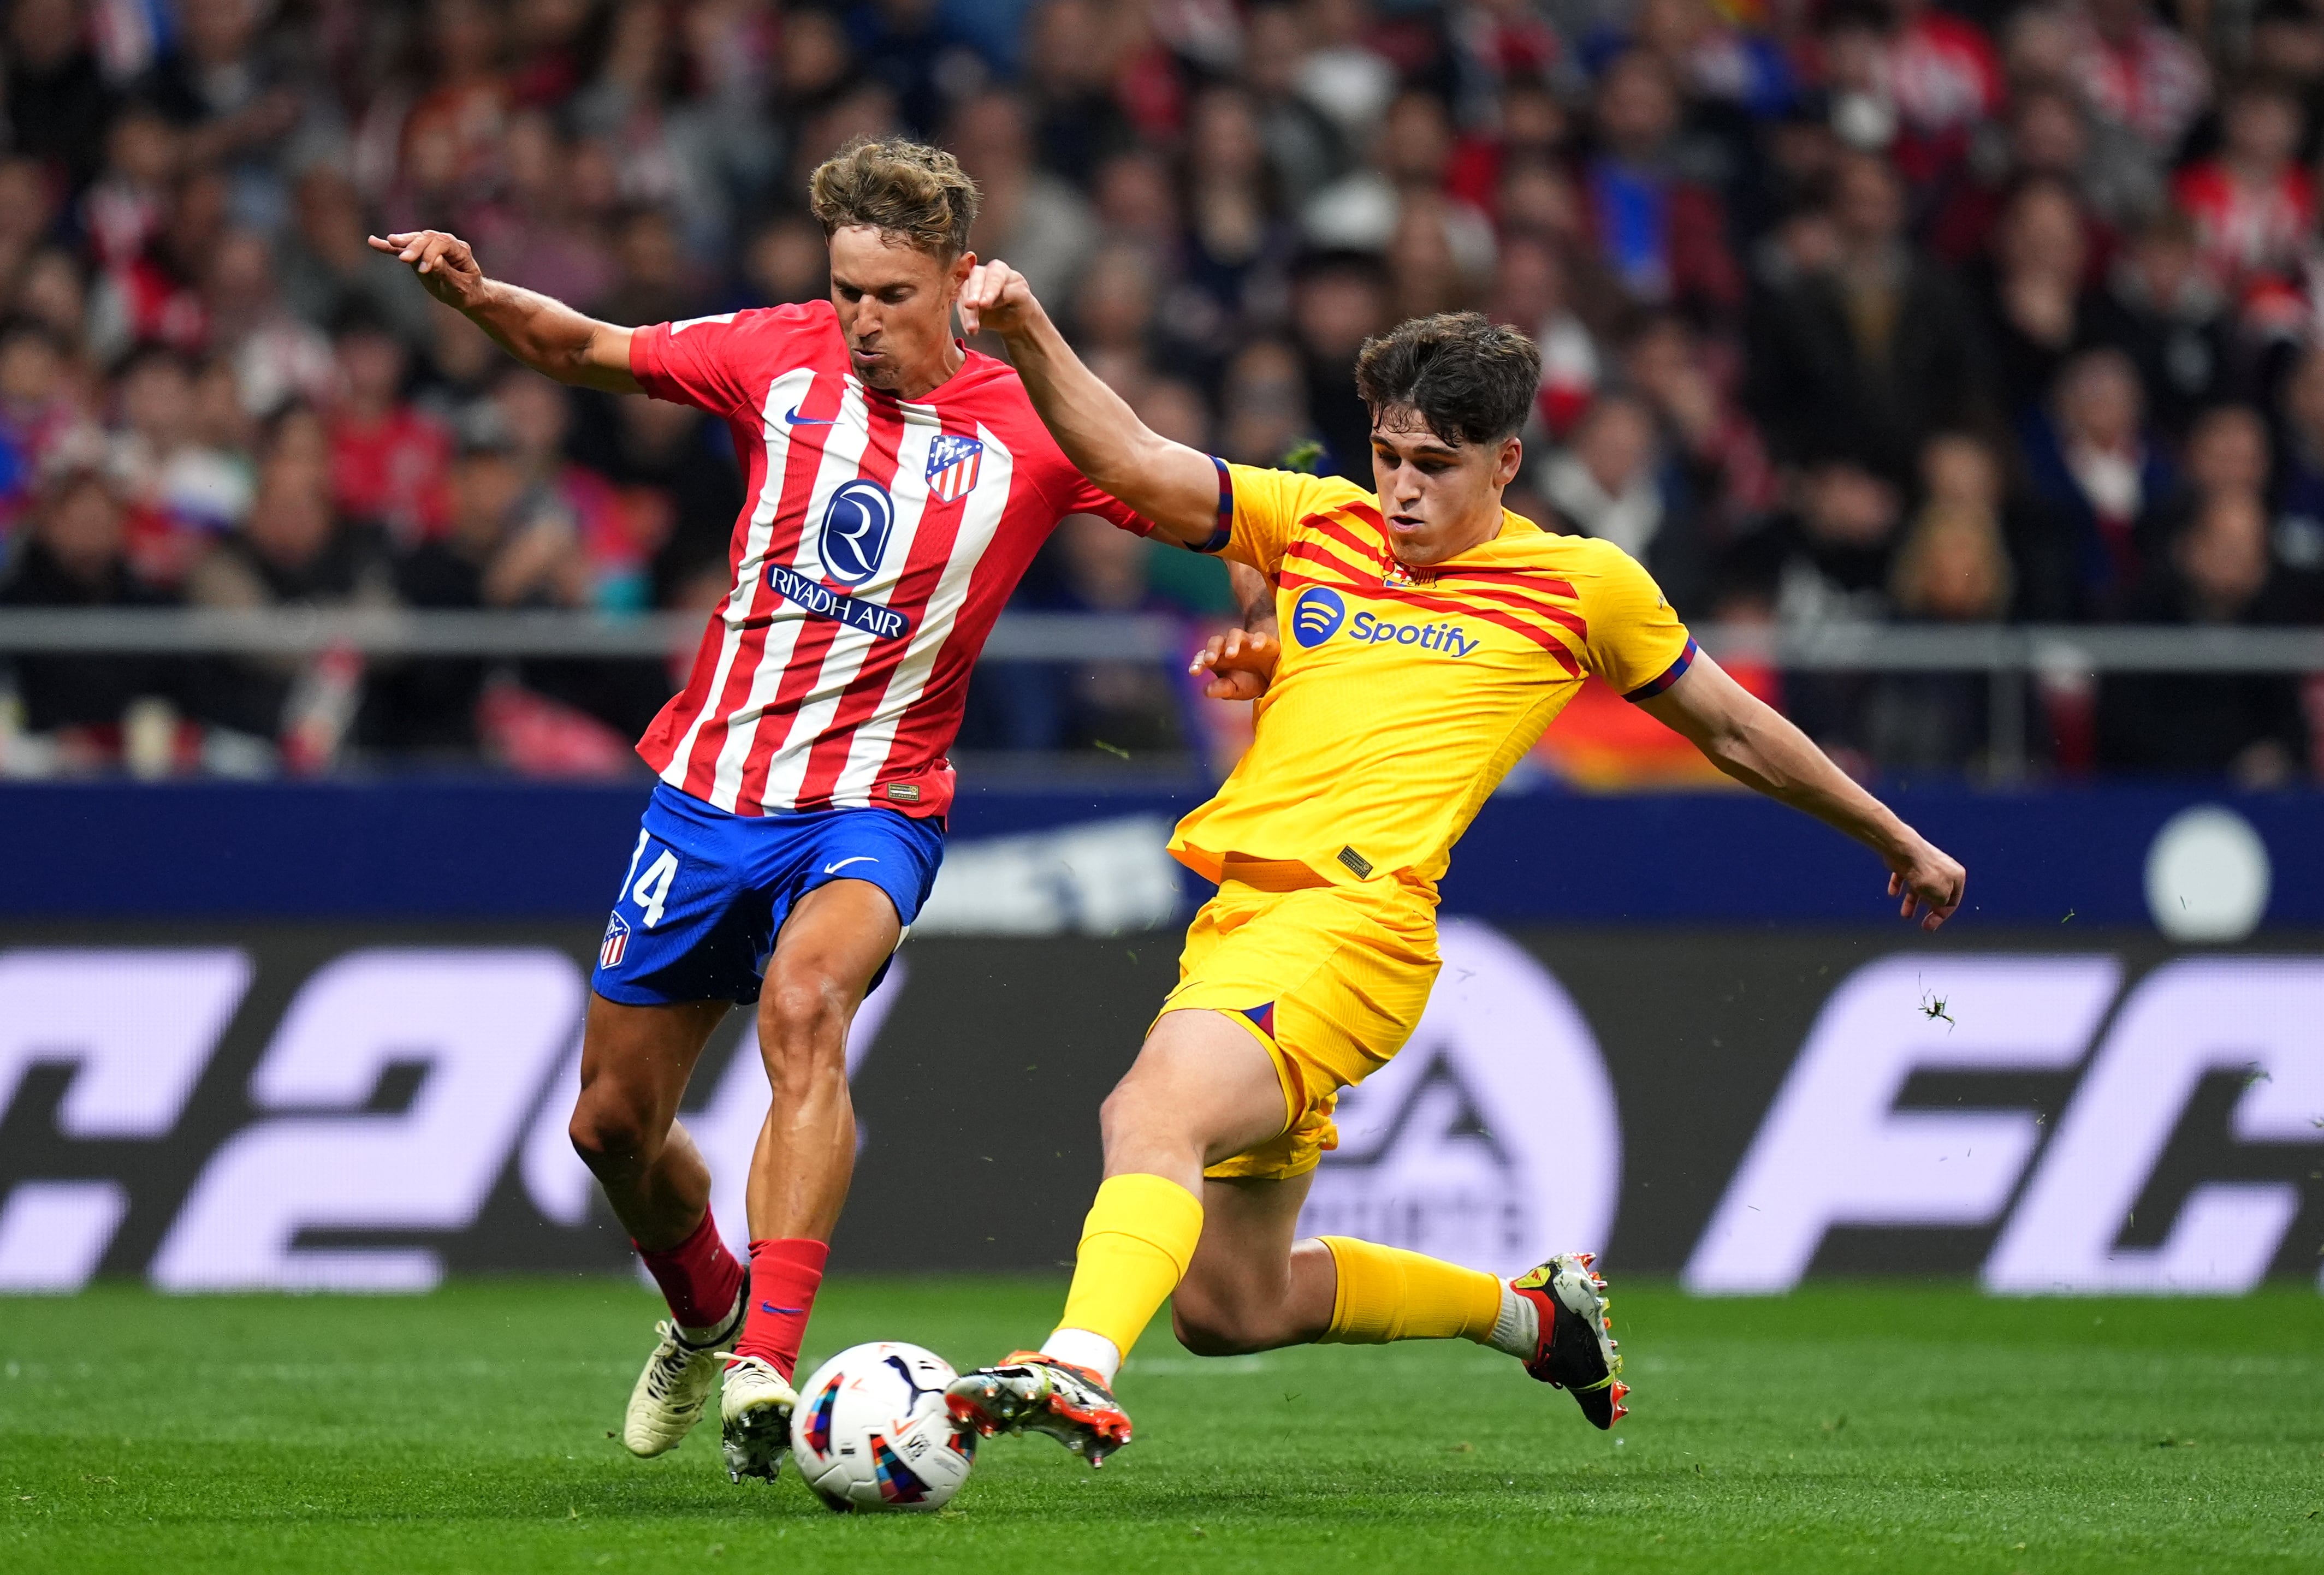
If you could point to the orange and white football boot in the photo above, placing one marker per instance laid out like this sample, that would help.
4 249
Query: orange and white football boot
1031 1392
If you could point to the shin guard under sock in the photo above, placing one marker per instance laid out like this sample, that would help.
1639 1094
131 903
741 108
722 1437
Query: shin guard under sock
1135 1247
784 1276
1386 1294
699 1278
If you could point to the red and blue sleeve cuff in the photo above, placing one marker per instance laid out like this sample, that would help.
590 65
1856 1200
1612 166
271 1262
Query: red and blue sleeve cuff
1225 531
1671 675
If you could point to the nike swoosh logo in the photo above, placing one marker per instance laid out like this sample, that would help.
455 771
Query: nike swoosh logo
859 858
789 1312
795 419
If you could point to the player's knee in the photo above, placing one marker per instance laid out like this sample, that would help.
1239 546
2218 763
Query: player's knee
803 1023
1141 1131
1212 1326
1130 1115
608 1129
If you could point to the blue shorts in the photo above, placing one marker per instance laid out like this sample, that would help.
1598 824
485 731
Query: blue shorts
708 892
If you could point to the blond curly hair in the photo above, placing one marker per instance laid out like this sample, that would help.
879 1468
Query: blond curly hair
906 189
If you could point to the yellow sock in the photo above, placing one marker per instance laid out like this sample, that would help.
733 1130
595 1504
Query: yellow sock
1386 1294
1136 1244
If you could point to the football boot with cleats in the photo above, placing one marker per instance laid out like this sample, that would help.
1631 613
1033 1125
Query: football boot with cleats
1031 1392
1575 1349
755 1407
674 1390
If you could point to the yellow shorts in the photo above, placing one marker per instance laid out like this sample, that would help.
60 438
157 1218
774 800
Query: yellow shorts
1331 980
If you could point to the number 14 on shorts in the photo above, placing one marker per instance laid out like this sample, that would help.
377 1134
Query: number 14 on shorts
650 890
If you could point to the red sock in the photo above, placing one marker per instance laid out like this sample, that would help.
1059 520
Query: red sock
698 1278
784 1276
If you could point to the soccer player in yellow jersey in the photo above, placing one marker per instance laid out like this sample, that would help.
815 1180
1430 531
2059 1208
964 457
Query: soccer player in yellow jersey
1429 637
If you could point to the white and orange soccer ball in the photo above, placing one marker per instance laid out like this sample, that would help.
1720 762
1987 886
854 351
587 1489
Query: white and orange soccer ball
871 1431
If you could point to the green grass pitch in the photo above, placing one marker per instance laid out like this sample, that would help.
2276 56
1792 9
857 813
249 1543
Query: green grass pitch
1894 1427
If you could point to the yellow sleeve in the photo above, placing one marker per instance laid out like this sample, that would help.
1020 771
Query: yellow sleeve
1635 641
1258 511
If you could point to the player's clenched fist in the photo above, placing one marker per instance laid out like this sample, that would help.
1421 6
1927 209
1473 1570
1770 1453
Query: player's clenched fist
996 296
1240 663
442 259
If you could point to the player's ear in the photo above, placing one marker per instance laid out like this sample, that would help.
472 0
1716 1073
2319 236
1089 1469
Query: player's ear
1512 460
962 267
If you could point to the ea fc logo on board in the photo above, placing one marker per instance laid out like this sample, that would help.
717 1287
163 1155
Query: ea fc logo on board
1316 616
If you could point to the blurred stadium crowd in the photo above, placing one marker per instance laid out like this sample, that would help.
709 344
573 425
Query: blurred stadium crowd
1857 311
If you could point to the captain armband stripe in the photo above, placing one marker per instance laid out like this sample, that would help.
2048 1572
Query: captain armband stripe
1225 531
1671 675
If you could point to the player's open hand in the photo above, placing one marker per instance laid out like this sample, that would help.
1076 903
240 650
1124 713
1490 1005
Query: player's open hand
1240 663
442 259
1927 880
996 296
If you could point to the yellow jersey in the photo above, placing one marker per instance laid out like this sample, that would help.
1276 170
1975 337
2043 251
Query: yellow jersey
1403 696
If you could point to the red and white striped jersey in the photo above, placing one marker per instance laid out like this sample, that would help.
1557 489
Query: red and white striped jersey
877 543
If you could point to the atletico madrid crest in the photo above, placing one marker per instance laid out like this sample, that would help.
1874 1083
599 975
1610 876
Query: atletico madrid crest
615 945
952 466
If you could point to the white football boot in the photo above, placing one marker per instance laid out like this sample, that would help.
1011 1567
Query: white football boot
674 1390
756 1410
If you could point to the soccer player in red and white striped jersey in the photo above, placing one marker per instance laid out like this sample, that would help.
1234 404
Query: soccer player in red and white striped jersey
884 536
899 486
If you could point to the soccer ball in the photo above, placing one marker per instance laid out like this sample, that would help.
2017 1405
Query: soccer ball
871 1431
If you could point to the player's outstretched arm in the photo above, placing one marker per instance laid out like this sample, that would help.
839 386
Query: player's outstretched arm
1750 741
546 334
1174 486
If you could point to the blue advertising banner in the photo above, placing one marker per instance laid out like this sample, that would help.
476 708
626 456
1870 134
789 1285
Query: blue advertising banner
485 849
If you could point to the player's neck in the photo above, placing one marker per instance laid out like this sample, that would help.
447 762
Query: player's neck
1469 534
924 381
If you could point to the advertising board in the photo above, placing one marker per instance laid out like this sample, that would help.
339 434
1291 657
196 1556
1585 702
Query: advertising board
245 1105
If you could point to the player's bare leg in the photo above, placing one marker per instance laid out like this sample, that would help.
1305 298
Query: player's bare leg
834 941
635 1061
1252 1286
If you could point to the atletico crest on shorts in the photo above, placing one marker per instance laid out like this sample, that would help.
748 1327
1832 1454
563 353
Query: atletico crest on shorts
952 466
616 943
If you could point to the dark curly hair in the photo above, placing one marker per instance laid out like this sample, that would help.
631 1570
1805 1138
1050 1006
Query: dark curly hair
1472 381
